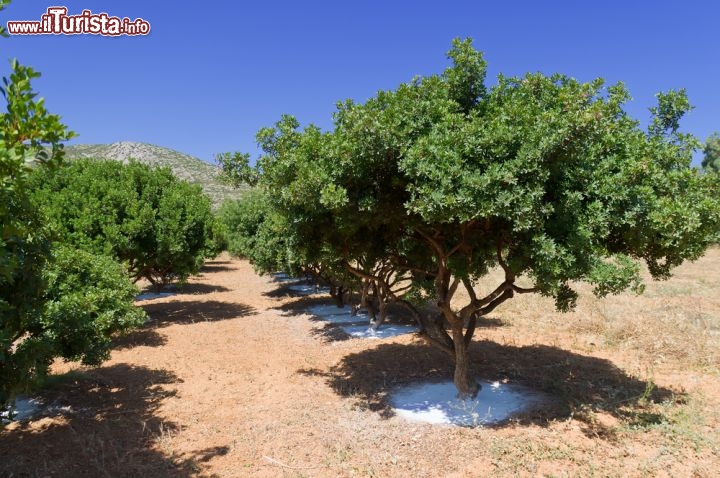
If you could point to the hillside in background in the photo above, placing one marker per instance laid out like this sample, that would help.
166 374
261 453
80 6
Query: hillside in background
186 167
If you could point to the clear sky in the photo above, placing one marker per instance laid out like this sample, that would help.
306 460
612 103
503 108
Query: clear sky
211 73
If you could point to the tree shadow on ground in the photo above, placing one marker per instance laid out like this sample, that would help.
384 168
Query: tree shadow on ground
182 289
101 423
285 289
200 289
283 277
217 266
299 305
489 323
143 337
572 381
163 314
179 312
330 333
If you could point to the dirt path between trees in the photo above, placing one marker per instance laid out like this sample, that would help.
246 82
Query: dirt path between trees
230 378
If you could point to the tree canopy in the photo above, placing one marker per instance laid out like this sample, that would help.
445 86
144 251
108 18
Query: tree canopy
425 188
160 226
711 158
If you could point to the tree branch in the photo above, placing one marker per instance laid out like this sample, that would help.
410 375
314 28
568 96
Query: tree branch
470 289
400 263
433 244
359 273
507 294
453 288
521 290
492 295
509 274
437 336
470 330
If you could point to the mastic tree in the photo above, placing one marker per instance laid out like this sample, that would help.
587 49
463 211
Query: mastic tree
711 158
544 177
55 301
26 128
158 225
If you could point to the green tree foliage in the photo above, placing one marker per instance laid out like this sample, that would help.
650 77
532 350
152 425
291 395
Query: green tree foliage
216 239
544 177
237 169
161 227
244 218
54 301
29 137
87 300
711 159
3 31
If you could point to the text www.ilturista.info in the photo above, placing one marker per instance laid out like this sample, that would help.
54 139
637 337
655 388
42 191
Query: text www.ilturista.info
57 22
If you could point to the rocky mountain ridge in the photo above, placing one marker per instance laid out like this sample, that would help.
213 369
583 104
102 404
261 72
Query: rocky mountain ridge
184 166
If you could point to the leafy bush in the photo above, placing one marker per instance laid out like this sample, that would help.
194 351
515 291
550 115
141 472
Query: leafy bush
256 233
158 225
217 238
87 300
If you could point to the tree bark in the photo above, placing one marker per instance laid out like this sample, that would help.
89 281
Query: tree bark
382 312
433 330
464 382
366 301
338 295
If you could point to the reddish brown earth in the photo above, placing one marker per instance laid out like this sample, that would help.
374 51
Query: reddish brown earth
230 378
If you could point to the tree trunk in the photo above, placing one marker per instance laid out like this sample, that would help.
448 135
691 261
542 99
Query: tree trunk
366 302
341 296
381 310
464 382
338 295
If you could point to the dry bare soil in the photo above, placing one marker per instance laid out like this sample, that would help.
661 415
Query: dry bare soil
231 378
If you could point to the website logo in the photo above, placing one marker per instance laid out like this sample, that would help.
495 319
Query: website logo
57 22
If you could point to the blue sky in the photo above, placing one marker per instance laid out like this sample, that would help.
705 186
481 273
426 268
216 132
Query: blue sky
212 73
